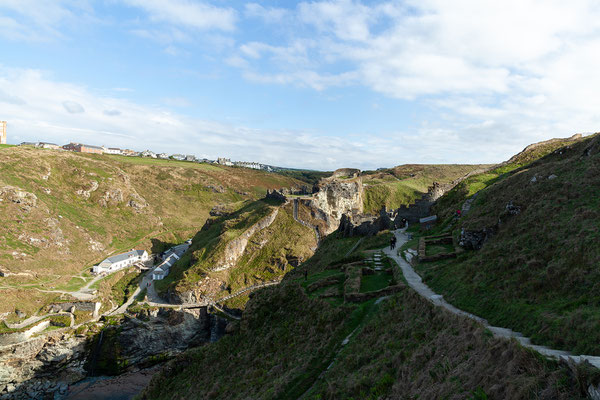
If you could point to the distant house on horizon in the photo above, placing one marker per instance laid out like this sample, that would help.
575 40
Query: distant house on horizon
178 157
112 150
120 261
163 156
224 161
190 158
46 145
244 164
148 153
83 148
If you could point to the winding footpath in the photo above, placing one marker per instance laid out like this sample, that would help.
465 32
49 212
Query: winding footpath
313 227
415 282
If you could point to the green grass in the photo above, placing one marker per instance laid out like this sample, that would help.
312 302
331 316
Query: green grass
403 185
539 274
179 197
435 249
371 283
124 287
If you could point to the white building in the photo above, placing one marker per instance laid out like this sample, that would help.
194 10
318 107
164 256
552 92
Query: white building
111 150
148 153
253 165
163 156
163 269
120 261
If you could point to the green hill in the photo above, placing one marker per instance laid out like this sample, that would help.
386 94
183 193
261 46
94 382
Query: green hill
404 184
258 242
302 340
539 272
63 212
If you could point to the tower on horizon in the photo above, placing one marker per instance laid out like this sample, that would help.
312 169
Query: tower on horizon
2 132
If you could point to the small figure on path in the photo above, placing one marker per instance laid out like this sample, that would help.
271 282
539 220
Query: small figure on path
393 242
458 213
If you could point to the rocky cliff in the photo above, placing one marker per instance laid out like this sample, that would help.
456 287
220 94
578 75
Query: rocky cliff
47 364
340 194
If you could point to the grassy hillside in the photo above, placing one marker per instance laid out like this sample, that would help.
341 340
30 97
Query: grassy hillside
540 273
453 200
404 184
63 212
289 344
269 254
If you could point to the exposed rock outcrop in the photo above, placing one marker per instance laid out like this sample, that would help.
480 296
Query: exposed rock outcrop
338 195
48 364
236 247
19 196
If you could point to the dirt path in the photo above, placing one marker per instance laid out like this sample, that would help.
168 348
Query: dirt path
415 281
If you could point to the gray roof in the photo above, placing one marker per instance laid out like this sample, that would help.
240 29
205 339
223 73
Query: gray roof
91 146
428 219
124 256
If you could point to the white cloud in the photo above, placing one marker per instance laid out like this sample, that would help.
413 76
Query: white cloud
32 20
267 14
515 71
73 107
188 14
117 122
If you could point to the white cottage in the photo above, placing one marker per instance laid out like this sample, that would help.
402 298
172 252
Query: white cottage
163 269
120 261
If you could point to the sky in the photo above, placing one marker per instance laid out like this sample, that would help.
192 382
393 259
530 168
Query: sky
312 84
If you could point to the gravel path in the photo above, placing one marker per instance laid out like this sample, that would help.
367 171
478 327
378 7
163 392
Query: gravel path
415 281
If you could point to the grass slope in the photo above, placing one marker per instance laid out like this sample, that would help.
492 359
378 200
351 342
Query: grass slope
404 184
453 200
65 233
540 273
288 345
269 254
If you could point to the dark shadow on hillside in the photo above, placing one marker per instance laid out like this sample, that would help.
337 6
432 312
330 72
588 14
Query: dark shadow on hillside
158 246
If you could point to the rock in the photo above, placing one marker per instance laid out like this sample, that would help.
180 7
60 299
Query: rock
87 193
338 196
511 209
474 239
137 202
275 195
63 387
216 189
19 196
551 177
533 180
594 392
10 388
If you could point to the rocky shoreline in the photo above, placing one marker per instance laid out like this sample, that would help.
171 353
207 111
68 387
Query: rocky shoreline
47 365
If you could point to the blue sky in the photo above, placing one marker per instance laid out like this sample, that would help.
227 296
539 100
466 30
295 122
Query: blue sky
315 84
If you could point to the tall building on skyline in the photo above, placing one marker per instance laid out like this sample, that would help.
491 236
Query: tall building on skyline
2 132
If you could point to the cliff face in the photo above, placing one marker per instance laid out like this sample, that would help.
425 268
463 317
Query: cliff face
50 362
339 195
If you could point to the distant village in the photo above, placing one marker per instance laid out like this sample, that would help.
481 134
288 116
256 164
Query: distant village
87 148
